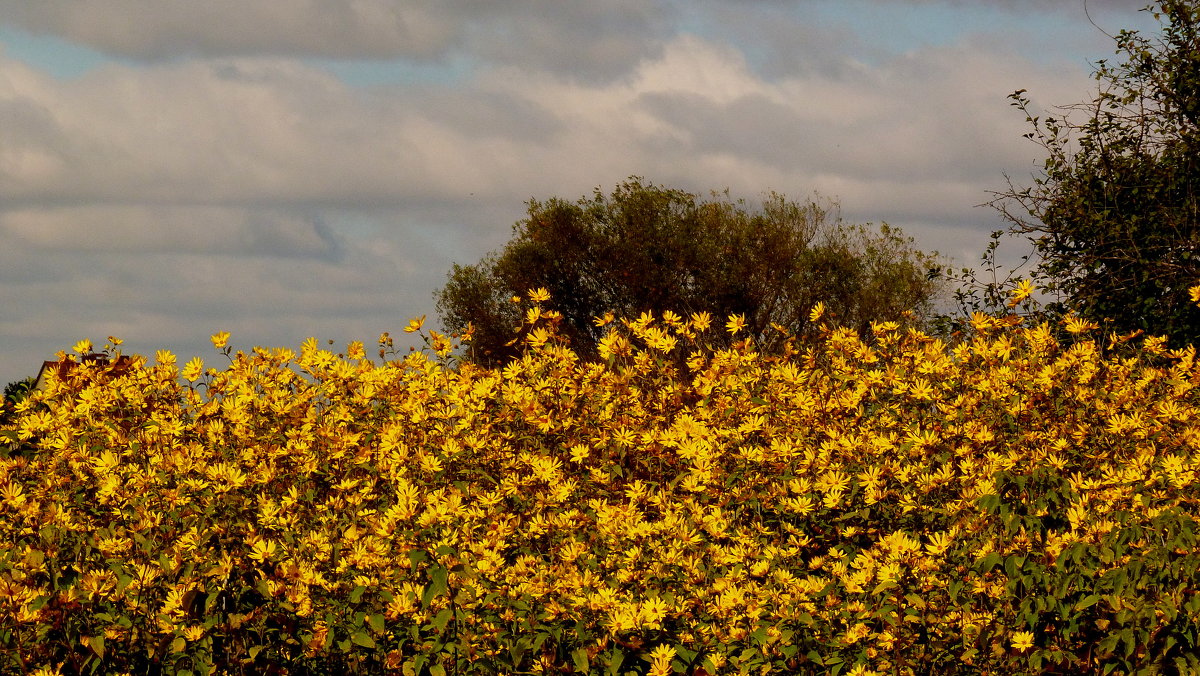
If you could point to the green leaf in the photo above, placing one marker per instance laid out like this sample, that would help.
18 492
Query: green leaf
517 652
96 643
1129 640
614 664
356 594
1087 601
376 622
435 588
437 670
954 590
363 639
1013 564
123 581
416 556
989 503
580 657
442 619
989 562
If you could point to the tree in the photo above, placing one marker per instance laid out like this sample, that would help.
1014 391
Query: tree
1113 214
14 392
650 248
19 389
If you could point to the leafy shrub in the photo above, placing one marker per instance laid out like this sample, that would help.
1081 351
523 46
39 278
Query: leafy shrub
884 503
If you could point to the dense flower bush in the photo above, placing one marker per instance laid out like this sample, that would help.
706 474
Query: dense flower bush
1022 500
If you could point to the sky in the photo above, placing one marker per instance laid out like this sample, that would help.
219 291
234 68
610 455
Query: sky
279 170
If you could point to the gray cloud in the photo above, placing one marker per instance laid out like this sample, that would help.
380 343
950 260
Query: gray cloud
586 40
102 228
591 41
167 29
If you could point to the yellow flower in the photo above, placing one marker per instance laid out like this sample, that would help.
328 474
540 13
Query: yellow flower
1023 290
661 657
537 337
539 295
415 325
1194 293
735 324
83 347
815 314
193 369
938 543
1022 640
220 339
106 462
982 322
624 617
579 453
263 550
13 494
1078 325
653 611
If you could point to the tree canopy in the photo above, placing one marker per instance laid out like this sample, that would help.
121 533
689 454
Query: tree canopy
14 392
1113 213
18 389
645 247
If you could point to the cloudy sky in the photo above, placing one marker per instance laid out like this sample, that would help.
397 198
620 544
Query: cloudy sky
279 170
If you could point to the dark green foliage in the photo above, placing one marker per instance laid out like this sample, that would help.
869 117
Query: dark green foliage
18 389
1113 214
14 392
650 248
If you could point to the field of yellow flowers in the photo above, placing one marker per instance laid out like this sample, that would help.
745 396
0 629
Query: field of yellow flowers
1020 501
